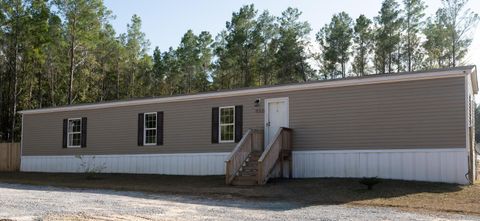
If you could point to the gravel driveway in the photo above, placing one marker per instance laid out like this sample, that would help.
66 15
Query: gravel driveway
24 202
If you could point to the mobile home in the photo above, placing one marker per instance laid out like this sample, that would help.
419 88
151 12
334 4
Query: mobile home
409 126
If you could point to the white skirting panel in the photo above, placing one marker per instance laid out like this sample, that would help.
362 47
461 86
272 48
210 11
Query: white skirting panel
171 164
436 165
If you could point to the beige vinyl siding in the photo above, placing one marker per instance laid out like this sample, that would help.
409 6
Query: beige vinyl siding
412 114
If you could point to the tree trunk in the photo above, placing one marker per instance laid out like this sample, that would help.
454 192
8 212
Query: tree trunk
118 80
265 57
104 91
72 69
409 53
15 73
454 50
409 46
72 59
14 109
132 82
15 96
390 62
398 59
52 87
40 91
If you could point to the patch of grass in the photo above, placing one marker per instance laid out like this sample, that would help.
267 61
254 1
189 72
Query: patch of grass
392 193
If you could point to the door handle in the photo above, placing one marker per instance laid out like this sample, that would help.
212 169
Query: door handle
268 124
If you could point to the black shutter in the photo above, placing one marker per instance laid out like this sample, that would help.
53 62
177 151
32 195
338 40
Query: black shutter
83 143
140 129
160 128
215 125
65 128
238 123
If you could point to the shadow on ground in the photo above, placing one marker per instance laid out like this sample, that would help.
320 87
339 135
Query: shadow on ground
294 193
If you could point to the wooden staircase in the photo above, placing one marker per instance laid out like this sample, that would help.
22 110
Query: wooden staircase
250 165
247 174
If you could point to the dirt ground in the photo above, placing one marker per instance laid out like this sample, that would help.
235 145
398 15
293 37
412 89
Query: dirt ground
22 202
422 196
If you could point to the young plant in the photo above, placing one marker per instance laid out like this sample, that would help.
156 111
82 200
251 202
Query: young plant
89 167
370 182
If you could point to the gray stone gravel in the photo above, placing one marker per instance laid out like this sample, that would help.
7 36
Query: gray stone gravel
25 202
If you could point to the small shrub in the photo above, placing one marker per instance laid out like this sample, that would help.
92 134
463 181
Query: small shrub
370 182
89 167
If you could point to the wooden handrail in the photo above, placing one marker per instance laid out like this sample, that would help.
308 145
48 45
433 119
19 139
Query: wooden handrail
282 141
238 156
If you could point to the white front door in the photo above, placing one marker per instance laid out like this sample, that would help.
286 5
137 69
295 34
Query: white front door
276 116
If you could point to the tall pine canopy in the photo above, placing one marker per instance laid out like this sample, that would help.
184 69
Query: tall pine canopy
387 36
335 40
363 40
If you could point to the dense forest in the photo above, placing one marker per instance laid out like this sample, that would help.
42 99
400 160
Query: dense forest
61 52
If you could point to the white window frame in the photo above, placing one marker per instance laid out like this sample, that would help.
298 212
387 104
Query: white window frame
220 125
68 133
145 129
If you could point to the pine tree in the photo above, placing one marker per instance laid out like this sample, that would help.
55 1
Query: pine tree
204 45
459 22
15 21
35 46
363 39
292 56
158 72
108 55
387 37
3 78
221 67
266 35
188 60
238 58
83 20
136 47
171 69
413 23
56 63
436 44
335 40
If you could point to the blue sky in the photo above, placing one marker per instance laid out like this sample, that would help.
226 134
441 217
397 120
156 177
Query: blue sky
164 22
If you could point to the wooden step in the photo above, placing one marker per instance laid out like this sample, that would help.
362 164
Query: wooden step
253 158
245 180
248 173
248 168
250 163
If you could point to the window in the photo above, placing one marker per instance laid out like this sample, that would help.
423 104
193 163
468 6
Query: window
150 129
74 132
227 124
